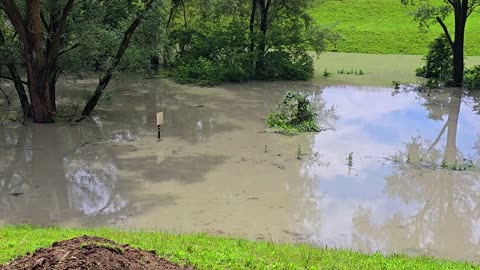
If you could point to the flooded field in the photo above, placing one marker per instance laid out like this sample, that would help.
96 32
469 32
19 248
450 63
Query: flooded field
395 173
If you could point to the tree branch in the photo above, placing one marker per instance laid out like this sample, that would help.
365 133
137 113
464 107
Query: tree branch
9 101
69 49
445 29
11 79
15 17
44 21
442 131
57 36
127 36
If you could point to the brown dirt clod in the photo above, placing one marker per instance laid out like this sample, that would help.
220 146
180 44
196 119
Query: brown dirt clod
91 252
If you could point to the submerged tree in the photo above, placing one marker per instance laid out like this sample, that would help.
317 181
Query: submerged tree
437 11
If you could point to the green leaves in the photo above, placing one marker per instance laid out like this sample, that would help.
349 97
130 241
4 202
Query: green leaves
294 114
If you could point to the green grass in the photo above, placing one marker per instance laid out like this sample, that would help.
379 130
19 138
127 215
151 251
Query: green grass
385 27
212 252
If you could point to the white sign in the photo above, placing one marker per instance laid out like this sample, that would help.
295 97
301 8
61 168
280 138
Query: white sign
159 118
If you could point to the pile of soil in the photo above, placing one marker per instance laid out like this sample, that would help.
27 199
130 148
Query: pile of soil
88 252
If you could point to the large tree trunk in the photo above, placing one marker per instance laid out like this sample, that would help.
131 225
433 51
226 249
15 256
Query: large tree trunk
458 45
40 60
264 8
37 71
103 82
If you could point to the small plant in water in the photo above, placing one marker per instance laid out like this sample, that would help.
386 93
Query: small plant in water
327 73
299 152
444 164
396 85
294 113
350 159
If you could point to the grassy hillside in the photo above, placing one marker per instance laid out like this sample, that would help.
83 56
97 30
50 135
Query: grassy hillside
384 26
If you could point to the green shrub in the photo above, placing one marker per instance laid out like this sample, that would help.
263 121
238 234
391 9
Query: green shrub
294 113
238 67
201 71
438 62
283 65
471 79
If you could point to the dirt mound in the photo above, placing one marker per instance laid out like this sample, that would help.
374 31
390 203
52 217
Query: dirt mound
88 252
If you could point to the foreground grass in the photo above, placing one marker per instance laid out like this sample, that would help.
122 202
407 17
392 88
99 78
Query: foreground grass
385 26
211 252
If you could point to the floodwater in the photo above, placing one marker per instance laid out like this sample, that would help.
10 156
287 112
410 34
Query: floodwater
373 181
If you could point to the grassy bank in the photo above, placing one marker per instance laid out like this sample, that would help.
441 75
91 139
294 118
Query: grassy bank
211 252
384 26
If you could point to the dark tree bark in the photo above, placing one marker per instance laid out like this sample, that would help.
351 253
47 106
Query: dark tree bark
252 25
264 6
173 7
462 10
103 82
22 95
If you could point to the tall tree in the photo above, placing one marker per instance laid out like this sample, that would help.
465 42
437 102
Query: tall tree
428 11
40 60
48 29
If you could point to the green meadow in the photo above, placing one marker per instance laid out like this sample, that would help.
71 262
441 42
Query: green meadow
385 27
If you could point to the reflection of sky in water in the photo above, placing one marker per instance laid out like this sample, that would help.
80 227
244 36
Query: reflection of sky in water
91 186
373 125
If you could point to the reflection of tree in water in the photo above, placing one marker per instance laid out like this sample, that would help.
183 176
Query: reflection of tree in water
14 175
315 161
51 160
92 184
444 204
327 115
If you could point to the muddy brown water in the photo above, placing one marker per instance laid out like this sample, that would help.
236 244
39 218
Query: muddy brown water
217 168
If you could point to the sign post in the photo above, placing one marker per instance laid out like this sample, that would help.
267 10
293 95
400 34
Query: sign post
159 122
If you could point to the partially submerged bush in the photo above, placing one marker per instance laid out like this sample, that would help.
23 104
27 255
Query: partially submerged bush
438 63
239 67
201 71
294 113
284 65
471 79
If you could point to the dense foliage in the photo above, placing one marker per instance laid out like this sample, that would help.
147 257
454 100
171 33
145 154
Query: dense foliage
294 113
438 63
239 40
471 79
